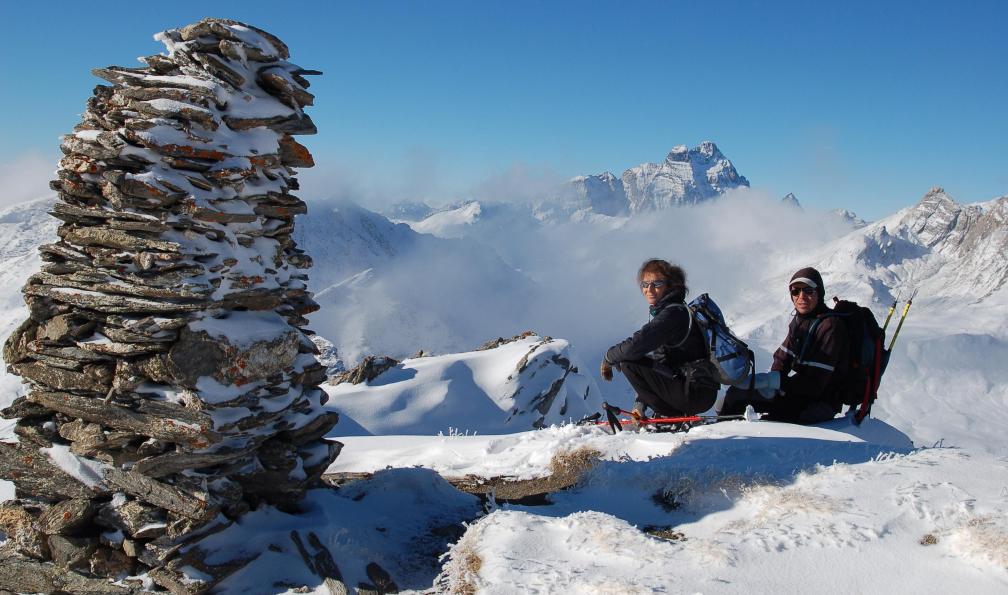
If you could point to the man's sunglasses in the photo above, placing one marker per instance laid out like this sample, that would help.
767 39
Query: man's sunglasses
796 291
652 284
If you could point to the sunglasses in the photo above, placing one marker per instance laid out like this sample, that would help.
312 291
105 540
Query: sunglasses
652 284
796 291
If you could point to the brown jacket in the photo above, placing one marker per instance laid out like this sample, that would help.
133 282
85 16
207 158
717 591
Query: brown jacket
813 367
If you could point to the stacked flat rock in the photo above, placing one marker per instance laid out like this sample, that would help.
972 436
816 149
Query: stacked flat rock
171 384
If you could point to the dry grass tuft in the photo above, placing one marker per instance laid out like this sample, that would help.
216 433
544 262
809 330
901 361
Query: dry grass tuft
929 539
566 469
985 537
460 575
574 463
666 533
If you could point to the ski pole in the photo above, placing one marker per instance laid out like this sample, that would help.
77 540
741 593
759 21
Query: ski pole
902 318
672 420
892 309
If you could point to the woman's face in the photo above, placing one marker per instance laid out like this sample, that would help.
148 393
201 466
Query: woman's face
654 287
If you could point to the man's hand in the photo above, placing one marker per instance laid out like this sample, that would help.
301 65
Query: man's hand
606 371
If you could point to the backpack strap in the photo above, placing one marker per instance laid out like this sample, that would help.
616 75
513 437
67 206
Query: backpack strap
689 325
805 342
871 385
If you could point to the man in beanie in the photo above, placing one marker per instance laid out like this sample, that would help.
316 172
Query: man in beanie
806 381
666 360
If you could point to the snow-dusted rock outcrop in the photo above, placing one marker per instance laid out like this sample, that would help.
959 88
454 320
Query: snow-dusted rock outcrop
171 386
508 385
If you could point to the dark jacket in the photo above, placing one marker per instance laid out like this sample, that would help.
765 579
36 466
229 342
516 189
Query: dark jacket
819 376
671 337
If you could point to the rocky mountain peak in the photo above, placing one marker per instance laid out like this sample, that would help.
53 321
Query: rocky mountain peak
685 177
791 200
934 217
966 243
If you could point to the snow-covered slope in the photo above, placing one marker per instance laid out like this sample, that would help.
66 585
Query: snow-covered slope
731 507
482 220
523 384
23 228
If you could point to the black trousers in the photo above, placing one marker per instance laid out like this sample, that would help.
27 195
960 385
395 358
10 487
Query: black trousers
665 392
787 408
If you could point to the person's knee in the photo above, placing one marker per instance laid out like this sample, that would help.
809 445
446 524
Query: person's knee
702 400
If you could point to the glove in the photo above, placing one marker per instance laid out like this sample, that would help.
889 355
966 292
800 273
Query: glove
606 370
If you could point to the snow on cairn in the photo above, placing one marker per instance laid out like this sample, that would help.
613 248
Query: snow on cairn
171 386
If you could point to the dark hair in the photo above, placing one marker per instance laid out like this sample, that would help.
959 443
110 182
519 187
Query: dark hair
672 273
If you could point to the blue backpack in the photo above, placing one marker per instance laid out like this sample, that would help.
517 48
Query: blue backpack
729 354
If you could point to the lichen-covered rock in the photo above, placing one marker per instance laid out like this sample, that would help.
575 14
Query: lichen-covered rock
171 384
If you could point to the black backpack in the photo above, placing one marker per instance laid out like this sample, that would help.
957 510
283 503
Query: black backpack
868 356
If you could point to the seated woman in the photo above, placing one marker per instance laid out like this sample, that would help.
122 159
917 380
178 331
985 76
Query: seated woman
666 360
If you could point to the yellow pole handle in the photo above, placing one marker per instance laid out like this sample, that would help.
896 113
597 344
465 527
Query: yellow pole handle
892 309
900 325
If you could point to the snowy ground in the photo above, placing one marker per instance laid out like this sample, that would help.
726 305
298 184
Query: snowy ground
752 506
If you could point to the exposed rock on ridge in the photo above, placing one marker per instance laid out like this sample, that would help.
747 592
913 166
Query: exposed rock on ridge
171 384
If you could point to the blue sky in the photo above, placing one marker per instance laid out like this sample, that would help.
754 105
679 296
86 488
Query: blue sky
863 105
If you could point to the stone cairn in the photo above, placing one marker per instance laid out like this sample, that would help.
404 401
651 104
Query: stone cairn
171 384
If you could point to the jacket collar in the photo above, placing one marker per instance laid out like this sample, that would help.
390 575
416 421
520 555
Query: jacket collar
677 297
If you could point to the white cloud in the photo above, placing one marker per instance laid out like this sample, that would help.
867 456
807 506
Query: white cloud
576 280
26 178
520 182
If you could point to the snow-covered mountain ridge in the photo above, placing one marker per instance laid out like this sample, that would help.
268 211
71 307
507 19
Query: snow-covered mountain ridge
947 250
685 177
525 383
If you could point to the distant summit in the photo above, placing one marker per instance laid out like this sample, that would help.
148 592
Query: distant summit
848 218
409 211
791 200
685 177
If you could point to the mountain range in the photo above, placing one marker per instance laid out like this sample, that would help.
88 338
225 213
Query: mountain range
451 281
685 177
